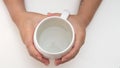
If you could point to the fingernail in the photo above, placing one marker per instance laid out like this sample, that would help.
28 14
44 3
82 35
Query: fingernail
39 58
56 64
46 63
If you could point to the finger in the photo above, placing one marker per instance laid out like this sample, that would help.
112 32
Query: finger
78 43
38 56
53 14
34 53
67 57
70 55
57 61
74 51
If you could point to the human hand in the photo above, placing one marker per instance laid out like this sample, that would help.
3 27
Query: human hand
79 38
26 24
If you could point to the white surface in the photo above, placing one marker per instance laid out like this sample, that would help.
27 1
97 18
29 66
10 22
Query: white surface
101 50
53 6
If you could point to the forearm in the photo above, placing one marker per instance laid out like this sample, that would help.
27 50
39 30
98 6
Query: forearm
15 7
87 11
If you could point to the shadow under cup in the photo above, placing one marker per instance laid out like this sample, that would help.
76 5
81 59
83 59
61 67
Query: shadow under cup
54 35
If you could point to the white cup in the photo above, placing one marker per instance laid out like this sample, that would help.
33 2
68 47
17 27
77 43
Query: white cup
54 36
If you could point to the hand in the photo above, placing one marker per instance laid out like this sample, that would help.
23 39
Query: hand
79 38
26 24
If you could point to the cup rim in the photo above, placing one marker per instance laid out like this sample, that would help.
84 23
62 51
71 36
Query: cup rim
39 48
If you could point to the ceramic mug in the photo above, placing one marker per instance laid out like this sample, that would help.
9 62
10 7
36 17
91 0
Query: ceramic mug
54 36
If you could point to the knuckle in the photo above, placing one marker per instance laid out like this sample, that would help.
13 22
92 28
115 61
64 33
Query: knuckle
83 35
73 56
67 58
30 54
27 42
36 55
83 42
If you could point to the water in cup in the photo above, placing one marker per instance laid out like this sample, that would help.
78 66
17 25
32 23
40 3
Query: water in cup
54 39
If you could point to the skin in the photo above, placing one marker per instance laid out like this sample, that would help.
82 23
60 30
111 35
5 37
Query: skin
27 22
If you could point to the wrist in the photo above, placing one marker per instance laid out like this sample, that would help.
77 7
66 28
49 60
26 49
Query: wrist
79 21
18 16
84 22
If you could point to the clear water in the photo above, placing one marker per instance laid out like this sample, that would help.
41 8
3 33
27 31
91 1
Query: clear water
54 39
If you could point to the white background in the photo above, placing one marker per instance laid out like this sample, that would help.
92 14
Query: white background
101 49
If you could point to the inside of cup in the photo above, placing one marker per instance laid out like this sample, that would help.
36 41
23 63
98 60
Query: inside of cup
54 35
